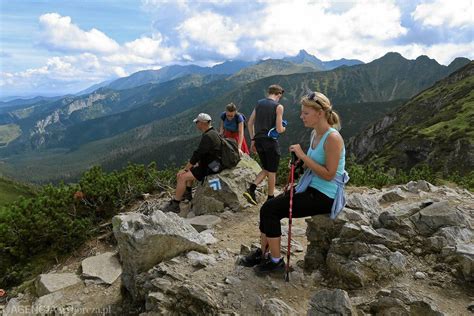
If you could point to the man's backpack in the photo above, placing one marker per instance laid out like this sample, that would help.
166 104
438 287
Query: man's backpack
230 156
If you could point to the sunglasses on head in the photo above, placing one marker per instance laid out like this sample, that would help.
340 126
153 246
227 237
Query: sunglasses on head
312 96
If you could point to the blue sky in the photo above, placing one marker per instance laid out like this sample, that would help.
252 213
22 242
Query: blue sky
54 47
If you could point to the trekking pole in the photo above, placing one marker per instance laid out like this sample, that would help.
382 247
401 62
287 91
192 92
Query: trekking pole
290 215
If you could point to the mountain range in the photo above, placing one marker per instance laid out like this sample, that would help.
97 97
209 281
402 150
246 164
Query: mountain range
58 138
434 128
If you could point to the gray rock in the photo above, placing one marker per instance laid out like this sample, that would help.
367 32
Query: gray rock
368 204
397 218
52 282
208 237
393 196
276 307
464 254
330 302
435 216
399 301
234 183
389 306
455 235
199 260
417 186
203 222
419 275
183 299
232 280
353 216
105 267
144 241
424 308
357 264
320 232
49 303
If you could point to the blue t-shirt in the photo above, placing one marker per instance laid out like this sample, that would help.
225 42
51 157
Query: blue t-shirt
232 125
318 154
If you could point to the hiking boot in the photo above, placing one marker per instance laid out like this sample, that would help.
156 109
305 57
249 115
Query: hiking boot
172 206
188 195
250 196
268 266
253 258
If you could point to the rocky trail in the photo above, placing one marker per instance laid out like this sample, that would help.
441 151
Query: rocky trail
403 250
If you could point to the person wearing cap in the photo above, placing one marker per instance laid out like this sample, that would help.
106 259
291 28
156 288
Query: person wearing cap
207 154
267 115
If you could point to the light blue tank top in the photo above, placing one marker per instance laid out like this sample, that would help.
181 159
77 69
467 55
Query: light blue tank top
319 155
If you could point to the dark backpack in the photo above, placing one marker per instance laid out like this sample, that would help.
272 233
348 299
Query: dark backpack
230 156
245 119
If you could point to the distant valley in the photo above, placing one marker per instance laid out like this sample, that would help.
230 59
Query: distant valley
146 116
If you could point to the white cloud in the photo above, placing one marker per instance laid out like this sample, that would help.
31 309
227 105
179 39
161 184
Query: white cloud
212 30
68 73
59 33
457 13
151 47
207 32
287 27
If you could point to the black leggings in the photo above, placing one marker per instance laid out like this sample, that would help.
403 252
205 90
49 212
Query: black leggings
308 203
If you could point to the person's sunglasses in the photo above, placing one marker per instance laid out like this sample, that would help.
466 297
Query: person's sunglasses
312 96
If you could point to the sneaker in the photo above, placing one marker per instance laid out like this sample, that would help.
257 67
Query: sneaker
172 206
268 266
250 196
188 195
253 258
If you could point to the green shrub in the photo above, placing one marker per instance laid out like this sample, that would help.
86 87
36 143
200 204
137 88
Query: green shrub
35 231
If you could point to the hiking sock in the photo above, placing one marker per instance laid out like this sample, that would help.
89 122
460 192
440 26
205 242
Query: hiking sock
275 260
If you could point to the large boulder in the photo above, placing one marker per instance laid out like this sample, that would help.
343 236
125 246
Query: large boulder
53 282
437 215
144 241
358 264
167 291
397 218
366 204
225 189
321 230
104 267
